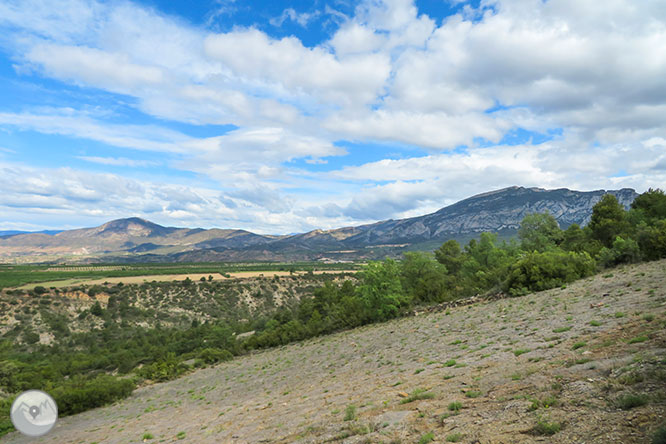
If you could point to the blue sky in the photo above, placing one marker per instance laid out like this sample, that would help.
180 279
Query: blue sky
282 117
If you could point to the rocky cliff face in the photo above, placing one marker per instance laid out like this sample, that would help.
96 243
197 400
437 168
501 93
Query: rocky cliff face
494 211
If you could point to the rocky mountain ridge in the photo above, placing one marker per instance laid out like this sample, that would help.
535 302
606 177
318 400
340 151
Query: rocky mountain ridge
136 239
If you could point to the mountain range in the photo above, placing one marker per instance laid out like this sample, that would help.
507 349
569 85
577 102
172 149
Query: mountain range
136 239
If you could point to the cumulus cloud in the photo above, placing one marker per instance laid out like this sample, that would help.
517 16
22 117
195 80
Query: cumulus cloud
388 73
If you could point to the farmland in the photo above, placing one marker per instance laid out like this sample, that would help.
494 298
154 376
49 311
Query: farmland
60 276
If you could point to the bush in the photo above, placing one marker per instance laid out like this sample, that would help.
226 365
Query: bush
541 271
659 436
623 252
163 370
350 413
214 355
631 400
80 394
546 428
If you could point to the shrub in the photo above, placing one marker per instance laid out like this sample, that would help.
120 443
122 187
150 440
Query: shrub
659 436
631 400
350 413
455 406
428 437
546 428
453 437
80 394
622 252
541 271
213 355
417 395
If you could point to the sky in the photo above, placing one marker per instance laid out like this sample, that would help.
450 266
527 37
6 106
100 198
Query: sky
287 116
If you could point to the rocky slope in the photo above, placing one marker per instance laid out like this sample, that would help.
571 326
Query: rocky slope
582 364
139 239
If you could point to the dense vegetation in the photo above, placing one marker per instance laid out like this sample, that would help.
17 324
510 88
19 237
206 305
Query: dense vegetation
77 368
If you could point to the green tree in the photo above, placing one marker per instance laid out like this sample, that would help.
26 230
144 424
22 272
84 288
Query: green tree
380 291
573 238
608 221
651 205
540 271
539 232
450 255
423 279
97 309
652 240
484 265
624 251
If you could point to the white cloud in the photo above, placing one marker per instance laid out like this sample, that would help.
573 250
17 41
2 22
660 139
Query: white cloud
114 72
387 74
73 123
118 161
290 69
302 18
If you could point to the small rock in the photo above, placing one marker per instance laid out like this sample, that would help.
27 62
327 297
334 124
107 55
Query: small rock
403 394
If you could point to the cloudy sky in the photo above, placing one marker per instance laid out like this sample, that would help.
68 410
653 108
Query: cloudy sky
284 116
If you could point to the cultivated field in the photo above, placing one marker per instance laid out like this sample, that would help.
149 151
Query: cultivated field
29 276
174 277
581 364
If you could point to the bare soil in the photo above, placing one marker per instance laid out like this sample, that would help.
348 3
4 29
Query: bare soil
558 361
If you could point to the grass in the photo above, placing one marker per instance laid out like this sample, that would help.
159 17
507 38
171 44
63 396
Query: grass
561 329
450 363
631 400
147 436
638 339
428 437
521 351
472 394
546 428
418 395
453 437
595 323
350 413
578 345
180 435
455 406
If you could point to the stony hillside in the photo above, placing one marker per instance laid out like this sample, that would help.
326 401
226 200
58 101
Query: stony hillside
136 239
170 304
578 364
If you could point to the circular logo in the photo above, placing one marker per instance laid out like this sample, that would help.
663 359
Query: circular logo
34 413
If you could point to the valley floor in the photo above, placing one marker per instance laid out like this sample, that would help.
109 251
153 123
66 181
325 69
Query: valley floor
582 364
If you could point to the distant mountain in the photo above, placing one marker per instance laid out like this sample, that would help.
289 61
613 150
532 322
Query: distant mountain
8 233
136 239
496 211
